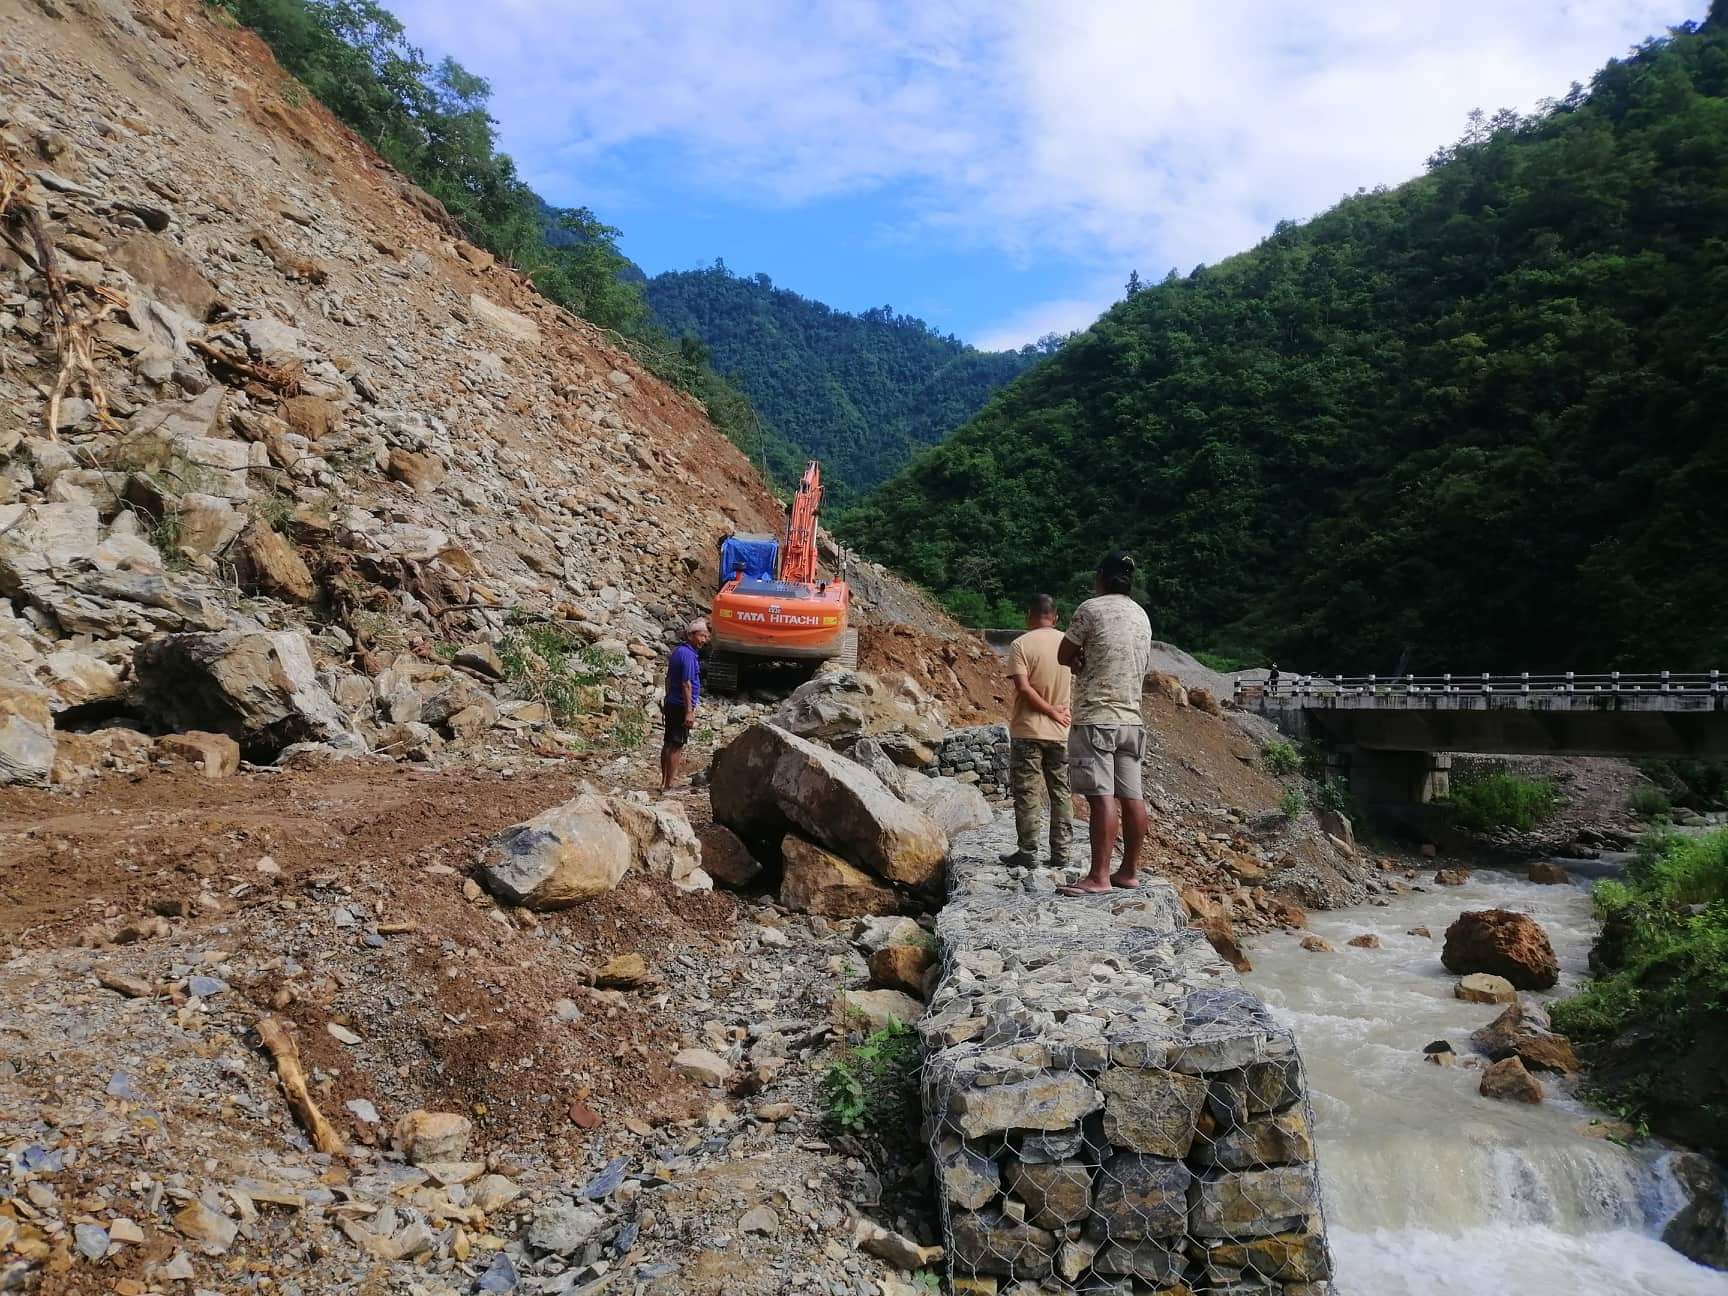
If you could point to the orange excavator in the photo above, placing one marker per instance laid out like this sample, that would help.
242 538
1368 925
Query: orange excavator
773 604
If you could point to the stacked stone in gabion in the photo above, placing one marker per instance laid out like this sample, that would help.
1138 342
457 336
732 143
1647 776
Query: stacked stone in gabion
1107 1109
976 755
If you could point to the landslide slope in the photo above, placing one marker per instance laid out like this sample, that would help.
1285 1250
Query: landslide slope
252 378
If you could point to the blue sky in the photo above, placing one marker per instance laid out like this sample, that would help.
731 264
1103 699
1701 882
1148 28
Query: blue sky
994 166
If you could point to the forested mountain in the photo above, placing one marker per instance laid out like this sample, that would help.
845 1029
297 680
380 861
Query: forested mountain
1481 418
863 393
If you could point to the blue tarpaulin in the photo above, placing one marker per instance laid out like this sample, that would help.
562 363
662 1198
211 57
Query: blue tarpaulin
757 555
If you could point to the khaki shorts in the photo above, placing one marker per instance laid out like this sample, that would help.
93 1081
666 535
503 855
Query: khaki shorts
1104 760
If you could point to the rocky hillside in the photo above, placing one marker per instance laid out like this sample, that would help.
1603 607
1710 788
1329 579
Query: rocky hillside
252 382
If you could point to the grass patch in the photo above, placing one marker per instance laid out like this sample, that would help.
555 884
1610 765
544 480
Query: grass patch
872 1088
1280 758
1665 942
1650 803
543 664
1223 663
1503 800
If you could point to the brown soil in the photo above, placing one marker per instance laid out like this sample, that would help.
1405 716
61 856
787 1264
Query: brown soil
971 681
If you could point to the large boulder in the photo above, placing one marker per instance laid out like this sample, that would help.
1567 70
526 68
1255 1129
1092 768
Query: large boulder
662 841
767 782
1503 943
955 807
561 857
848 704
260 688
26 752
1523 1031
726 858
816 882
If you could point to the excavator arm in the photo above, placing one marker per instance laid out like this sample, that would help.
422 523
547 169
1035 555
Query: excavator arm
798 558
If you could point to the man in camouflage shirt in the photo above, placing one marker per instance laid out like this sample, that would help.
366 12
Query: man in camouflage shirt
1109 647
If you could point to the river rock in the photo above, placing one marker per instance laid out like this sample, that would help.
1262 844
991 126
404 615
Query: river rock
1055 1193
1151 1110
988 1242
1254 1203
1285 1257
1508 1080
1700 1230
1547 873
1052 1100
1524 1031
1480 987
1365 941
968 1178
815 881
1280 1139
1451 876
726 858
428 1136
901 967
767 782
1141 1196
1149 1261
1317 945
259 688
1503 943
561 857
875 1009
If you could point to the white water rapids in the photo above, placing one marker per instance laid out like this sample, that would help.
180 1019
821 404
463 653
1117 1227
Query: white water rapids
1430 1188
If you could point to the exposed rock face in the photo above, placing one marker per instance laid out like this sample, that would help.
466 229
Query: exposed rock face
568 854
26 752
1503 943
1700 1231
768 781
1524 1031
258 688
816 881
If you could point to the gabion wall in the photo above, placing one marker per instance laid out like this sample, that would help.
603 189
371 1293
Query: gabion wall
976 755
1108 1111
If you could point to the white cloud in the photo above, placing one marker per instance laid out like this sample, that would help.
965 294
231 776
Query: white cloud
1118 133
1062 316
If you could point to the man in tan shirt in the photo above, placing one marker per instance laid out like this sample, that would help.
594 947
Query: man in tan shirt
1038 737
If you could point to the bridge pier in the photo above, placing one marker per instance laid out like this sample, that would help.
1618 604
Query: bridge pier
1399 777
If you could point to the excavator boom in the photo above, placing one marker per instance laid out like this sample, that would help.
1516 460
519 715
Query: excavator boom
798 559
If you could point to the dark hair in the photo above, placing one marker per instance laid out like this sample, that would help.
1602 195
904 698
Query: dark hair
1116 572
1040 605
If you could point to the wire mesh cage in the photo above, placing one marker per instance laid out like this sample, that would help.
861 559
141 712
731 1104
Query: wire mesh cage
1107 1110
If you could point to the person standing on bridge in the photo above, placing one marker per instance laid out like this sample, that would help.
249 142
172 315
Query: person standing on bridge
683 693
1109 647
1038 737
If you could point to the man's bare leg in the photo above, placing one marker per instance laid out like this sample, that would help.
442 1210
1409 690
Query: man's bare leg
1133 839
670 759
1102 830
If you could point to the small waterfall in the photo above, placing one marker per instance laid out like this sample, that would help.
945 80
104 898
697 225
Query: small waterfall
1432 1189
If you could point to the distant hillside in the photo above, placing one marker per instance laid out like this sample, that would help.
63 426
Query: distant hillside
1476 419
863 393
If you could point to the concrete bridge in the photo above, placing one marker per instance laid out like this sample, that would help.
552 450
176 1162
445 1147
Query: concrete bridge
1394 737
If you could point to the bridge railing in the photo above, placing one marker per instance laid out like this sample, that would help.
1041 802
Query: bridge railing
1306 686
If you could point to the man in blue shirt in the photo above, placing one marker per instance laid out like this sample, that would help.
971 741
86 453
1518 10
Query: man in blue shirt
683 693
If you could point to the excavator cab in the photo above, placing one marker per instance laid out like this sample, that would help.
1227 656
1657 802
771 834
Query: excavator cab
773 606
